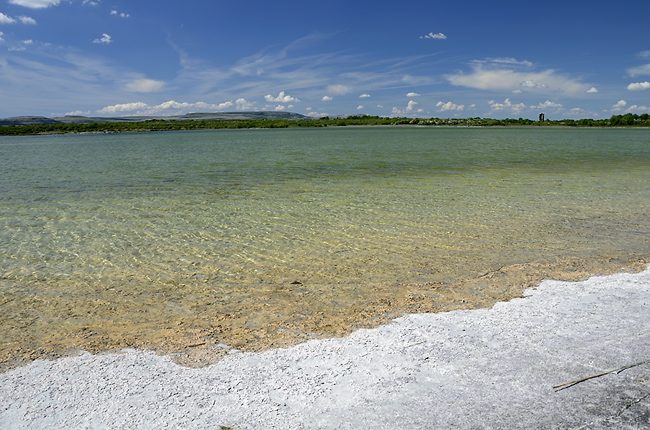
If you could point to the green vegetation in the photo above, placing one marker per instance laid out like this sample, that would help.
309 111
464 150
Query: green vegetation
627 120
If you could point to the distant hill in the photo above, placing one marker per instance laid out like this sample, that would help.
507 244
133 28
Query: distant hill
27 120
76 119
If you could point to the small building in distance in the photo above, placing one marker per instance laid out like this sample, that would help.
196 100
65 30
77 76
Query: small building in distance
541 117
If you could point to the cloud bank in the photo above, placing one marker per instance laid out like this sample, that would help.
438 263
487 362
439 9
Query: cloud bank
508 74
171 107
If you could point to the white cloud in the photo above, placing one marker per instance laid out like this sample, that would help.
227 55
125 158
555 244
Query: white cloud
507 105
242 104
508 74
359 107
1 39
327 98
433 36
363 96
279 108
639 86
35 4
338 89
77 113
105 40
576 112
412 95
644 54
410 108
124 107
281 98
619 105
636 108
640 70
120 14
547 105
449 106
592 90
144 85
4 19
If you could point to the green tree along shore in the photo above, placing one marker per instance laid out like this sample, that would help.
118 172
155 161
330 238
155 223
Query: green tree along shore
627 120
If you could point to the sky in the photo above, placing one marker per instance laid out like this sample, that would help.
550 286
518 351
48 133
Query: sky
499 59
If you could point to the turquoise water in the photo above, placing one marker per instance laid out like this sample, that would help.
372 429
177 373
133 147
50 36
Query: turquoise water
160 221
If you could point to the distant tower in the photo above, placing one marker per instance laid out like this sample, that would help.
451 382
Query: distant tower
541 117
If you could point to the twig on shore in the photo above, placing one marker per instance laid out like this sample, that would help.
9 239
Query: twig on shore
194 345
619 370
419 343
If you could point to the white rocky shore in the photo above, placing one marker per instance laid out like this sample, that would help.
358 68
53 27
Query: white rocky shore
489 368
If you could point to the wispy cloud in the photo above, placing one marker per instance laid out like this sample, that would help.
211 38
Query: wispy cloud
433 36
339 89
5 19
22 46
639 70
27 20
144 85
363 96
35 4
412 95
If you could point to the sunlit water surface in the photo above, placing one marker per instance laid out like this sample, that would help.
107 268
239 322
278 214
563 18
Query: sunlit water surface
224 231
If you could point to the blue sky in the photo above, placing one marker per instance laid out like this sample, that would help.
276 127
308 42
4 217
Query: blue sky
514 59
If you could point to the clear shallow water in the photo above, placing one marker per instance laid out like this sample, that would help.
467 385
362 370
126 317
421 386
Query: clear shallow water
134 232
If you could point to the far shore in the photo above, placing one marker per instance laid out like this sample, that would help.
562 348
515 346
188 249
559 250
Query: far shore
20 126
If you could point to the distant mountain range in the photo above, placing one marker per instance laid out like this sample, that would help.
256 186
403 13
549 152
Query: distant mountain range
75 119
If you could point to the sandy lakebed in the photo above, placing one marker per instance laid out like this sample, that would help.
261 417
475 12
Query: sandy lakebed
496 367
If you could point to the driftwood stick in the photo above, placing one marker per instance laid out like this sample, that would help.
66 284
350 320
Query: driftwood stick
619 370
194 345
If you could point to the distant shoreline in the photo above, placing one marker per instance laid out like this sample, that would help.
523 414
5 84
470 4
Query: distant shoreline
23 126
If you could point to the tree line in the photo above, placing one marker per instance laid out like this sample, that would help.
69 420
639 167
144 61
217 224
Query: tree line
626 120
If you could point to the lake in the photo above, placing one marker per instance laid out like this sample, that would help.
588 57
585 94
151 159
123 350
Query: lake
188 242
